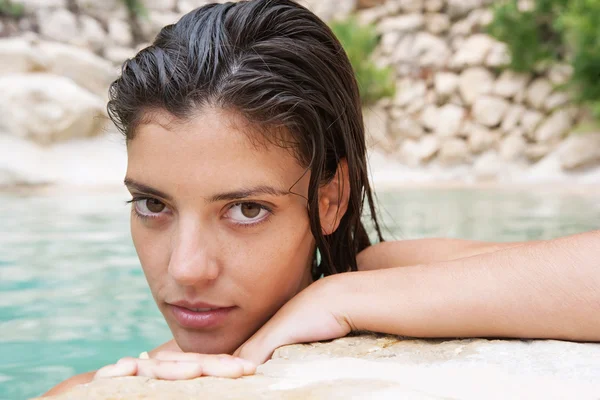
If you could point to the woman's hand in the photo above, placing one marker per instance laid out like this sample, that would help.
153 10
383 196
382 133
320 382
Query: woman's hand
312 315
171 365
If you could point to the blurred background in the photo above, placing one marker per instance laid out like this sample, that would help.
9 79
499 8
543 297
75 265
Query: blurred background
481 118
453 90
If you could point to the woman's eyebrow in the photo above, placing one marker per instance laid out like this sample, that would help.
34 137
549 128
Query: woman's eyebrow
227 196
131 184
245 193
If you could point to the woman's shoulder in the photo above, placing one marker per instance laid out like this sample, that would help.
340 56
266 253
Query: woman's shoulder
70 383
401 253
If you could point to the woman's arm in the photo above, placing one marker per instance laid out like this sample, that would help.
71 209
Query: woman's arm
423 251
547 289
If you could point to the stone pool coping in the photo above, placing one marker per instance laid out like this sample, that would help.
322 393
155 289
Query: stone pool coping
373 366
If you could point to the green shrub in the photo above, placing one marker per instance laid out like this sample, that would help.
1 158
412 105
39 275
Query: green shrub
136 7
555 31
10 9
360 41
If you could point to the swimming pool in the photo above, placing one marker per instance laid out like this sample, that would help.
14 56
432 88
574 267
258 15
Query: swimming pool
73 297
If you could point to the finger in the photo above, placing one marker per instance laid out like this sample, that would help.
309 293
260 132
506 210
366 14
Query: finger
226 366
169 370
248 367
124 367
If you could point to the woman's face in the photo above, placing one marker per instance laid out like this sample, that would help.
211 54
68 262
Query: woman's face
222 241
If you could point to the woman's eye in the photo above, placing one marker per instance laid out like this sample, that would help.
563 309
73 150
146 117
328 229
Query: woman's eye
149 207
247 213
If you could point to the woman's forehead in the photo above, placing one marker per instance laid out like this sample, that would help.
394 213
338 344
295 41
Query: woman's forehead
212 152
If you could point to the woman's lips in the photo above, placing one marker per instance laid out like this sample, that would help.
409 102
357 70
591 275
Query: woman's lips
199 319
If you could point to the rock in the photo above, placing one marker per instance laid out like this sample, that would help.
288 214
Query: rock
513 116
453 151
473 82
473 52
486 16
411 6
580 150
457 100
185 6
93 35
538 92
60 25
18 55
376 122
530 121
156 21
445 84
328 11
461 29
32 6
381 367
512 147
537 151
408 91
160 5
498 56
406 127
437 23
429 117
371 16
417 152
489 110
481 139
85 68
449 120
555 127
404 51
560 74
402 23
489 166
430 50
118 55
47 108
556 100
120 33
389 42
434 6
104 10
459 8
510 83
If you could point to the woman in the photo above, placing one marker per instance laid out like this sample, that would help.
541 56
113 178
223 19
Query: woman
247 168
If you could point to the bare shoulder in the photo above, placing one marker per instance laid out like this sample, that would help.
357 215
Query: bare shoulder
70 383
423 251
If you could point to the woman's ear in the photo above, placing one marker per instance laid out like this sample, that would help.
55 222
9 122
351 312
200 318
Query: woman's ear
333 199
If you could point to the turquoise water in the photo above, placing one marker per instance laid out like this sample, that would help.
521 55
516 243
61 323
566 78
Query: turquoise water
73 297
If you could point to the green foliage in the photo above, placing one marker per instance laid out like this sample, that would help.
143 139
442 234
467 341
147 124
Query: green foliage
10 9
359 42
136 8
554 31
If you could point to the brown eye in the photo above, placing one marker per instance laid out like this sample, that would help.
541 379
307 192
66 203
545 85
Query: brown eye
250 210
154 206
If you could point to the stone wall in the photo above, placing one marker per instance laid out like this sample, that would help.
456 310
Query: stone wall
455 106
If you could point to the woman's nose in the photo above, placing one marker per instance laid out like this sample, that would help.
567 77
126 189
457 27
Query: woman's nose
192 261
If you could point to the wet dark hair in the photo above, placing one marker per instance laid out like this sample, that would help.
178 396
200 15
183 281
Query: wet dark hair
278 65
